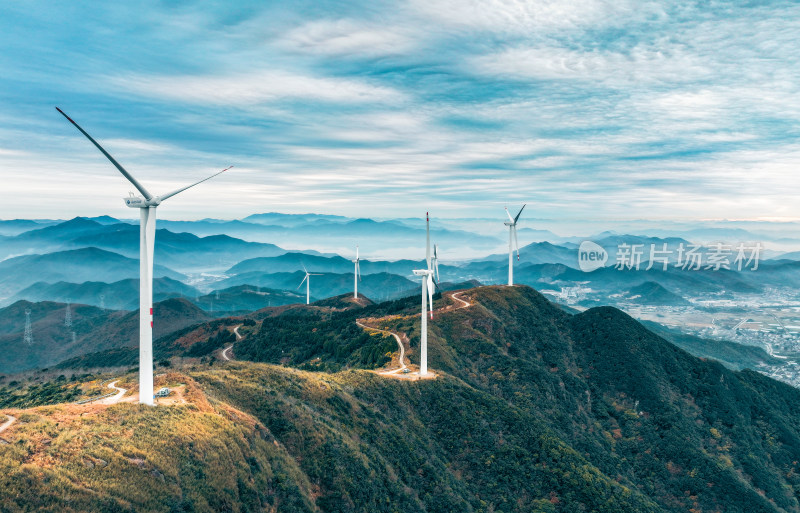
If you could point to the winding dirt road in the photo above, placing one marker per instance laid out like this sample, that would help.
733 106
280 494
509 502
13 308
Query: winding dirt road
114 399
398 372
226 353
399 344
7 424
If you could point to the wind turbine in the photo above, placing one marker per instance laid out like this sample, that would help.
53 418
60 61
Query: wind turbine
427 295
147 232
307 281
512 232
435 264
357 276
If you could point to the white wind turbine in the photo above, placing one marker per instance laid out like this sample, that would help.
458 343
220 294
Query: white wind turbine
427 295
512 232
357 276
307 281
147 232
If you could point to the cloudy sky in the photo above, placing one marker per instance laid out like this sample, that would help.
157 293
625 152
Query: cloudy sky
583 109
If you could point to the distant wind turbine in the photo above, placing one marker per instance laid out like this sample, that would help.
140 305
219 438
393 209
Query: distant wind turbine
357 276
307 281
147 233
427 295
512 233
435 264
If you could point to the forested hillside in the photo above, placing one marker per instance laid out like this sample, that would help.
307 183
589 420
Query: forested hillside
533 410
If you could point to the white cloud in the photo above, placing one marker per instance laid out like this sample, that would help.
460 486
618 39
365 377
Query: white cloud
640 65
347 38
530 16
246 89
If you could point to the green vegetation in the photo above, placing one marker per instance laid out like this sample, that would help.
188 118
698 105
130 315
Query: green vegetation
195 340
135 458
16 395
378 445
300 339
533 410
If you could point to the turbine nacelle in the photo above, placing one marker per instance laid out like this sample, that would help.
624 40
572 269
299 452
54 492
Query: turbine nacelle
134 201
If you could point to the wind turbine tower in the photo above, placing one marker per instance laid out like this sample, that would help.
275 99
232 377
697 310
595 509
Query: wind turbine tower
427 296
147 204
512 234
28 338
307 281
357 275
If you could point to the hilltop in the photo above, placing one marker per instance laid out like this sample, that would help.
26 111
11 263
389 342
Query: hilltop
95 330
534 409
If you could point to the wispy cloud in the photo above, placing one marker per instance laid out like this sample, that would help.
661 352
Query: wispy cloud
243 89
348 38
587 109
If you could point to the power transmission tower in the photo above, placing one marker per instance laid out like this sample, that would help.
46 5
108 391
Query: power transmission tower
28 332
73 338
68 316
102 301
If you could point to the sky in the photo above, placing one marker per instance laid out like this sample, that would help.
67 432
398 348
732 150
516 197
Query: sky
585 109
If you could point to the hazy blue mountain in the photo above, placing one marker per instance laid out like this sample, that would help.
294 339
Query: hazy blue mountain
289 262
778 273
76 266
377 287
277 218
247 298
49 238
104 220
792 255
120 295
541 253
295 261
325 232
12 227
185 251
652 293
610 280
538 235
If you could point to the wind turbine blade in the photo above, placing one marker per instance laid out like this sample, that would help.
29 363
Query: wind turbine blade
436 262
358 270
304 267
518 213
304 280
428 240
121 169
173 193
509 215
516 242
430 293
